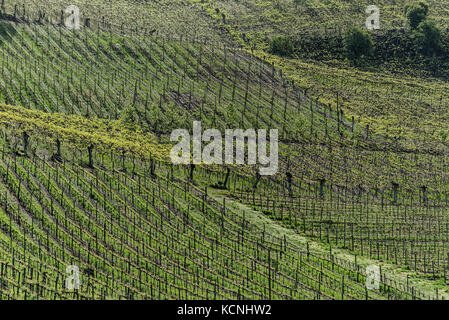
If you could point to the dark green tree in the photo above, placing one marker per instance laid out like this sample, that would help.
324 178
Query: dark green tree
129 117
282 46
427 38
416 13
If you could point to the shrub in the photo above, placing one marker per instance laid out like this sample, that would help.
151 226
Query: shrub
357 44
427 37
282 46
416 13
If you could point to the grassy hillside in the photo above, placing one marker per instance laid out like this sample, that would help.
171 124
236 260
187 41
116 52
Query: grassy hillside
259 19
140 236
163 17
399 96
164 84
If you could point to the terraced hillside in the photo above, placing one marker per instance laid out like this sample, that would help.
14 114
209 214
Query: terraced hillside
85 177
254 20
163 84
258 19
138 235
